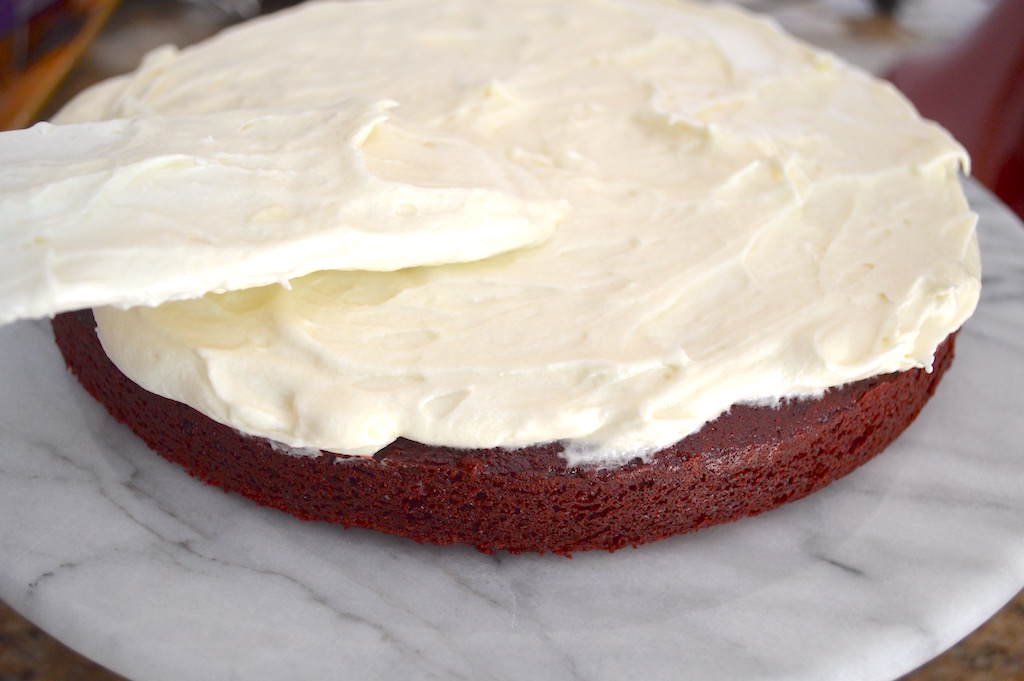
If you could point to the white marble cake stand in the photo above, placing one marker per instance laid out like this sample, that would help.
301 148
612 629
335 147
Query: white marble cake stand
126 559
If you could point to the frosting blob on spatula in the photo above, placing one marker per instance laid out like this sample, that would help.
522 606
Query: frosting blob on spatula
143 210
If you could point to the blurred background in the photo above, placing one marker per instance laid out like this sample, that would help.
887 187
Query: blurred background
960 61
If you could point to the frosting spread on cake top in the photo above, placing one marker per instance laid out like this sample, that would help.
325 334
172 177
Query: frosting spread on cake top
739 218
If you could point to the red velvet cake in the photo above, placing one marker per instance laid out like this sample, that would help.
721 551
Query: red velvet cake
528 275
749 460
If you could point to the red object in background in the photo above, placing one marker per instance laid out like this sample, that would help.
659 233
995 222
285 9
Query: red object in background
15 14
976 90
29 29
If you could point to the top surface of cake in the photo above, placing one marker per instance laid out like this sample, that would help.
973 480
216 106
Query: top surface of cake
724 215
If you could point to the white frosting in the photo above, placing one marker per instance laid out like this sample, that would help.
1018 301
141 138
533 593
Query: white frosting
221 201
744 218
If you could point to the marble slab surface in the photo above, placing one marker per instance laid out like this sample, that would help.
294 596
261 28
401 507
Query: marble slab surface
129 561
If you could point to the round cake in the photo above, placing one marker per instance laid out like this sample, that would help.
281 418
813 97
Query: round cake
529 275
749 460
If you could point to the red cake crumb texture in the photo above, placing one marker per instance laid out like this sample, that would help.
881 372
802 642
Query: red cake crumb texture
749 460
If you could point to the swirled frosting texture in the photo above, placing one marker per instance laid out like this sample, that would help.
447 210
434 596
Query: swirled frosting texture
227 200
741 218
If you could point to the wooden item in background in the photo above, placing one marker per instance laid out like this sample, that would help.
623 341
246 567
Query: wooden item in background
24 91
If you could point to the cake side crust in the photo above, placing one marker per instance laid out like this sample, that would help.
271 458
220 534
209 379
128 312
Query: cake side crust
747 461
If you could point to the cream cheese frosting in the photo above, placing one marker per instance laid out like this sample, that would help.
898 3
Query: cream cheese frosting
737 217
228 200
